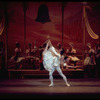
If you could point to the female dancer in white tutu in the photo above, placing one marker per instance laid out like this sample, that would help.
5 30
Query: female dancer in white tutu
51 61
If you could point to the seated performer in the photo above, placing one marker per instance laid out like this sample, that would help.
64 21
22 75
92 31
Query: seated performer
17 56
72 52
51 61
29 50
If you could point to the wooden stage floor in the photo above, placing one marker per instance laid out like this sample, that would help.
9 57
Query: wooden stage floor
81 88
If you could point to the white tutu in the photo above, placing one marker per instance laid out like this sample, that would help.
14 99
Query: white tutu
48 61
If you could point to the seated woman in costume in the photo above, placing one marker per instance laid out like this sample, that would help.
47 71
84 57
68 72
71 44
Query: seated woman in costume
72 52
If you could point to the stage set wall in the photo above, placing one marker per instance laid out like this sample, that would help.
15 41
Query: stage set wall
62 29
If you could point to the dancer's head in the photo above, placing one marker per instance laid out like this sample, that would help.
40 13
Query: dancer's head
44 45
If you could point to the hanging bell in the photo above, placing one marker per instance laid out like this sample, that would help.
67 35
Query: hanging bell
43 14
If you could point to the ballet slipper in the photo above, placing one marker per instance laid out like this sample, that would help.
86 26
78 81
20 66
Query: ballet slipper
51 85
67 84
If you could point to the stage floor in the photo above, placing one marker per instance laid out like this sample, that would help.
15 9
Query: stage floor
85 88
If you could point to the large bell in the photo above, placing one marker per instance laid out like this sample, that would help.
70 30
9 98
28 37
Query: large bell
43 14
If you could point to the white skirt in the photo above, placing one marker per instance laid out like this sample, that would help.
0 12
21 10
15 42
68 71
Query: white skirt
48 61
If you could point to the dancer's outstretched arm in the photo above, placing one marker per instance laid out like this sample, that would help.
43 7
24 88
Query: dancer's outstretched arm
46 48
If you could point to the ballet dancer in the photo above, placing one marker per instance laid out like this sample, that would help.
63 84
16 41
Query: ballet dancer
51 62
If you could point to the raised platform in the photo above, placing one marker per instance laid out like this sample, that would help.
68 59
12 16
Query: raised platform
29 73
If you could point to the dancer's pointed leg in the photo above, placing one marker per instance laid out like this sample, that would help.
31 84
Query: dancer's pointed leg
64 77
